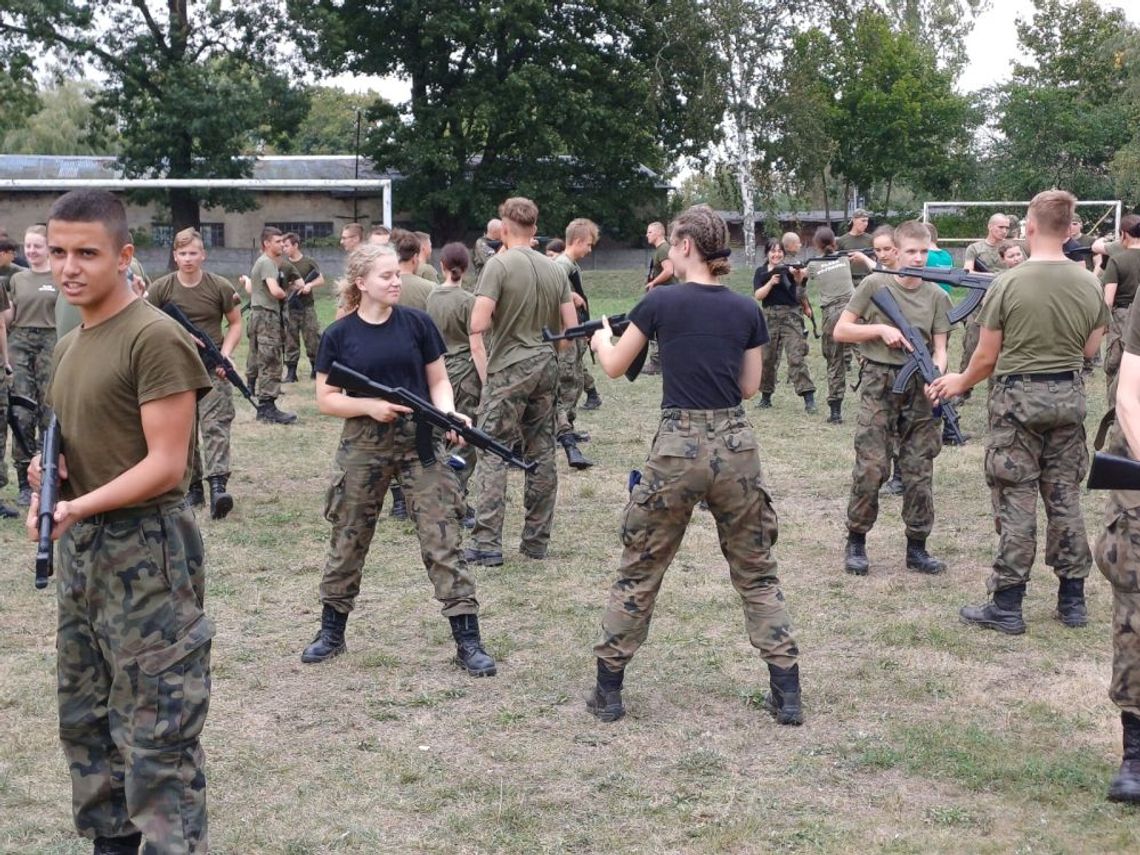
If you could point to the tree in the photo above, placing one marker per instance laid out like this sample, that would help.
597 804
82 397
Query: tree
190 88
942 25
329 127
17 89
561 101
64 124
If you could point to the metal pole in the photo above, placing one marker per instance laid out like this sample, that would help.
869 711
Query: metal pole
356 165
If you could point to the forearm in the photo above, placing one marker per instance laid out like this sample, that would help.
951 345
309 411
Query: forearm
981 367
479 356
442 395
333 402
152 476
1110 293
939 356
231 340
850 332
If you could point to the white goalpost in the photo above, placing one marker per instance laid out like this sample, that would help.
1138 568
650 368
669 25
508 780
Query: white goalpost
1112 208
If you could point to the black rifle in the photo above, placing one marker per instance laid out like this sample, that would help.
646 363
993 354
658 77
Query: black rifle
618 324
977 283
919 358
426 415
49 495
211 355
1112 472
293 301
575 278
18 435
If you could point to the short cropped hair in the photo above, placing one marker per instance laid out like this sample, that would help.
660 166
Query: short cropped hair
1128 222
186 237
269 232
406 243
556 245
933 232
424 237
1052 211
293 237
8 245
354 229
93 206
884 231
911 230
379 230
519 210
581 228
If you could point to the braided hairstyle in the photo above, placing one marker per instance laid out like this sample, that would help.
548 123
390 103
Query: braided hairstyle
709 234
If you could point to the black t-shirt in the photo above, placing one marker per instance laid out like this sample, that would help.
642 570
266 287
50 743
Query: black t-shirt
703 331
393 353
783 293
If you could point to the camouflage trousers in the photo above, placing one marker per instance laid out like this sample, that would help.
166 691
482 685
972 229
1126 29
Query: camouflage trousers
836 354
1114 351
30 350
301 325
711 455
5 385
786 334
264 362
369 456
1118 557
517 408
1036 444
571 384
588 384
133 647
973 331
215 415
467 389
888 424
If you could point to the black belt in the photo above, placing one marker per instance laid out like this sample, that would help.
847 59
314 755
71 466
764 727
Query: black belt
133 514
1054 377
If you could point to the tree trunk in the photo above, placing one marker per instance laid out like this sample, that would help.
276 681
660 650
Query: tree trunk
826 196
846 197
747 182
887 201
184 214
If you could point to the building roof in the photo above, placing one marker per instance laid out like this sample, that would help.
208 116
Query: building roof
806 217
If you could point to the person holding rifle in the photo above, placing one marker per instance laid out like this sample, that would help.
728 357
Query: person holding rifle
206 299
301 324
886 417
399 347
778 291
1039 322
265 328
133 639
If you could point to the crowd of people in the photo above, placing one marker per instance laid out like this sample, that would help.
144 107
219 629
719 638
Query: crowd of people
85 345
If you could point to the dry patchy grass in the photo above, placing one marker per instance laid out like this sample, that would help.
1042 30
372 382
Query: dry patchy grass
922 735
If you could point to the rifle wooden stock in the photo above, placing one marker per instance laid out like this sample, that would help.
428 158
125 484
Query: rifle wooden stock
1112 472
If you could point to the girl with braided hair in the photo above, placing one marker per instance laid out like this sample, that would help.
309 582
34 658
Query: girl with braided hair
710 340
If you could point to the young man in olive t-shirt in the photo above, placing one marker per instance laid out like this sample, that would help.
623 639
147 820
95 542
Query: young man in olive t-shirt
206 299
424 270
581 235
301 324
857 238
414 289
660 273
979 254
885 415
520 292
265 329
1039 322
1120 278
133 639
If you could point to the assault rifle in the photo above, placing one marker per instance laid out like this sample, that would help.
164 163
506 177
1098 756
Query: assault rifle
49 495
805 306
211 355
618 324
918 360
1112 472
426 415
293 301
28 404
977 283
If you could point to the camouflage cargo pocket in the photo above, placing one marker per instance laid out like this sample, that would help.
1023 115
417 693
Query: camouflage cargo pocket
173 686
335 499
1007 460
1117 550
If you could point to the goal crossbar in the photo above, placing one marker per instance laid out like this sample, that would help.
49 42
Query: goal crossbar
1115 205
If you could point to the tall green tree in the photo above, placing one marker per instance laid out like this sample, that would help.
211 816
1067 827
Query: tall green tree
65 123
561 101
17 89
191 86
329 126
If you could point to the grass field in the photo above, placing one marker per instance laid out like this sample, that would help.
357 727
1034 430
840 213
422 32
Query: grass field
922 735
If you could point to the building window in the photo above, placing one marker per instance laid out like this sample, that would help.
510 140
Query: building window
213 234
306 231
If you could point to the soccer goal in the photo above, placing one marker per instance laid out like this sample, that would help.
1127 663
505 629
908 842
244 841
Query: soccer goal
1099 212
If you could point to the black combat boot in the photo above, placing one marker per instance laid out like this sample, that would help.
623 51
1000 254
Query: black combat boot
1002 613
24 496
593 400
7 512
836 416
855 554
783 702
809 403
1071 609
1126 785
399 504
221 502
484 558
195 496
128 845
469 652
269 413
919 560
290 373
605 700
765 402
330 640
574 457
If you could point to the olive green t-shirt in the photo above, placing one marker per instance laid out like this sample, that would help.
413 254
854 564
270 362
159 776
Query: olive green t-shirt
861 242
305 266
1111 248
262 298
6 273
925 307
988 255
660 253
832 279
529 290
205 304
414 291
426 271
101 376
1123 269
450 307
1132 335
1045 311
33 297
